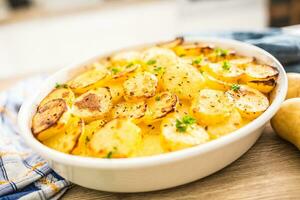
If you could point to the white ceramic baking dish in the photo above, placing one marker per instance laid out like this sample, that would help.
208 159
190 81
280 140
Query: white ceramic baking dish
161 171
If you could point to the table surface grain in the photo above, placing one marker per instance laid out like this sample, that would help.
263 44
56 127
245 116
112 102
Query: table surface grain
269 170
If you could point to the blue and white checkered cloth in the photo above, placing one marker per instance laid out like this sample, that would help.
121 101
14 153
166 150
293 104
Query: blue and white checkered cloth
23 174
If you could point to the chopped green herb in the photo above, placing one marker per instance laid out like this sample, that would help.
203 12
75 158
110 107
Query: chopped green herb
158 69
221 52
151 62
57 85
115 70
235 87
226 65
157 98
197 61
182 125
87 139
129 65
182 55
109 154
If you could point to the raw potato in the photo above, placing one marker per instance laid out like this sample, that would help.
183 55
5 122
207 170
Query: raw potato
88 80
294 85
119 138
66 140
287 120
92 105
211 106
175 140
250 102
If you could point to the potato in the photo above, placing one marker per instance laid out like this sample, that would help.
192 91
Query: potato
286 121
66 140
130 110
81 147
92 105
140 86
161 56
119 138
264 86
88 80
183 80
294 85
160 105
171 44
116 90
60 93
151 145
122 69
182 132
233 123
260 72
50 118
211 106
250 102
224 71
128 56
213 83
241 61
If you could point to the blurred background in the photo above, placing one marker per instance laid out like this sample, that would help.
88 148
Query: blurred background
44 35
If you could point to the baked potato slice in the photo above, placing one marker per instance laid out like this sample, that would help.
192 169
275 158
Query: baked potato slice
233 123
119 138
216 84
130 110
151 145
171 44
81 147
140 86
50 118
88 80
65 141
161 57
160 105
264 86
60 93
241 61
183 80
121 69
92 105
211 106
260 72
249 102
182 132
224 71
127 56
116 90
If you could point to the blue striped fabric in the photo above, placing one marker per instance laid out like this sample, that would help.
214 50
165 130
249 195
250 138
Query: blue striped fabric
23 174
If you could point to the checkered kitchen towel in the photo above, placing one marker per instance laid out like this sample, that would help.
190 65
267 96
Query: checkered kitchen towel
23 174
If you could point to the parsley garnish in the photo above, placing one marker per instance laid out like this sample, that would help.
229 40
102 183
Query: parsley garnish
182 125
226 65
151 62
57 85
157 98
115 70
197 61
109 154
235 87
221 52
129 65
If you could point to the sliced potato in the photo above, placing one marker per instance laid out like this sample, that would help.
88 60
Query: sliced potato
88 80
92 105
60 93
123 69
294 85
171 44
233 123
254 72
224 71
160 105
211 106
250 102
151 145
119 138
286 121
52 116
65 141
141 86
161 56
128 56
174 139
183 80
213 83
241 61
130 110
116 90
81 147
264 86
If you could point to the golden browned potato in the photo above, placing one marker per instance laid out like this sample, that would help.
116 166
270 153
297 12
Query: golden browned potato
88 80
140 86
92 105
162 57
260 72
294 85
171 44
286 121
250 102
211 106
160 105
81 147
182 132
213 83
119 138
65 141
121 70
130 110
60 93
50 119
241 61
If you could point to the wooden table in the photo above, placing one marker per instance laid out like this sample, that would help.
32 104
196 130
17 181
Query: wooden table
269 170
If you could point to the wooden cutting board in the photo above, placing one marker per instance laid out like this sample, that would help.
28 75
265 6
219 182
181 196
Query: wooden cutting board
269 170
